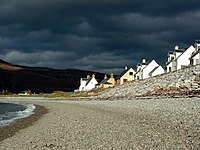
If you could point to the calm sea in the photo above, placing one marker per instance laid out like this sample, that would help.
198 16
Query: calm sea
10 112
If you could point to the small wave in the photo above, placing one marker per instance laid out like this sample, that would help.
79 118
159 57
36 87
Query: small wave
6 119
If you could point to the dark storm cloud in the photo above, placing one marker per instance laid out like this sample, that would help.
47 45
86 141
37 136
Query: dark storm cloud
94 35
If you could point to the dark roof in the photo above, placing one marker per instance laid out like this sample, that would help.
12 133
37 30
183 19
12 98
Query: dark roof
89 80
170 52
104 81
85 79
179 50
197 41
145 63
119 76
107 83
138 71
193 54
183 52
150 73
148 64
167 63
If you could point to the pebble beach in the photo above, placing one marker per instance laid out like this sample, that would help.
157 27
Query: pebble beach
122 124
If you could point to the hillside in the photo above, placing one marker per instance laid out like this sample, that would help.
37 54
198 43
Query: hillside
179 82
16 78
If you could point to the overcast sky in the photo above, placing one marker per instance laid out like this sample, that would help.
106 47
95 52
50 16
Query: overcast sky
97 35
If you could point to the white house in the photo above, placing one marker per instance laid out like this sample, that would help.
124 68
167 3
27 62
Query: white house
87 84
147 70
157 71
140 66
184 59
171 64
195 57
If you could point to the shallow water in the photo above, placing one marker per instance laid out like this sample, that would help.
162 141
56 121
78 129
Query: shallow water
9 112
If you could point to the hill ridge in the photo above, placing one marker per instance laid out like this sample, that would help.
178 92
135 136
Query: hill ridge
15 78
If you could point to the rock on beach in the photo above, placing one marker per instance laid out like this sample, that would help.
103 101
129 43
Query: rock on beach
121 124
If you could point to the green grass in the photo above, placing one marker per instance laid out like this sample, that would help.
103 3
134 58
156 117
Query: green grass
57 94
46 95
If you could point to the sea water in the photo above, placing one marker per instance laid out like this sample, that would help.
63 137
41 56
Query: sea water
10 112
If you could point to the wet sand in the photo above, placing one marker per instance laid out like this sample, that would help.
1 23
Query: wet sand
13 128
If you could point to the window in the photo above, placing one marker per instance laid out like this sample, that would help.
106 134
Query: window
170 69
130 73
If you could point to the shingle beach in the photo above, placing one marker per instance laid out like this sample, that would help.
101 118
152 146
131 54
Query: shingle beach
128 124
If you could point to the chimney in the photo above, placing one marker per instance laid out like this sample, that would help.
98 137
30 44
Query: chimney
125 67
111 75
88 76
176 47
143 60
105 77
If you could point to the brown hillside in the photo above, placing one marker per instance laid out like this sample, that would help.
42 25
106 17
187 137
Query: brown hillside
40 80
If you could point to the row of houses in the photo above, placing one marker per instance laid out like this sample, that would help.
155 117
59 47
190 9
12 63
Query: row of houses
180 58
176 59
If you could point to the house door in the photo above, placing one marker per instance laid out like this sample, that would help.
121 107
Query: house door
125 80
170 69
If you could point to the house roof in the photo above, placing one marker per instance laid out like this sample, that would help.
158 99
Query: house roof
125 71
167 63
138 71
85 79
180 50
88 81
148 64
183 52
197 41
119 76
144 63
150 73
170 52
193 54
104 81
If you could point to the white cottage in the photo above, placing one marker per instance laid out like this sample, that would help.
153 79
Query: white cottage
157 71
171 64
152 66
87 84
184 59
146 70
195 57
140 66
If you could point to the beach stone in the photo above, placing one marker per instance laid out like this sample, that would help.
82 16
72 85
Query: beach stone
184 77
165 123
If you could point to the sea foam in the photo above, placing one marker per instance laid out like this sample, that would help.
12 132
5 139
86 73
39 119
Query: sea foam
9 117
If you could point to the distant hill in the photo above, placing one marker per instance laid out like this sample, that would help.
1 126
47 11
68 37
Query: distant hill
16 78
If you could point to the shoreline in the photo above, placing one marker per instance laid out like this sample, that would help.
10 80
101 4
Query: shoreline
121 124
13 128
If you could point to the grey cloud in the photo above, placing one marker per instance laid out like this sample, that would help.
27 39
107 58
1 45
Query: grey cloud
94 35
39 58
